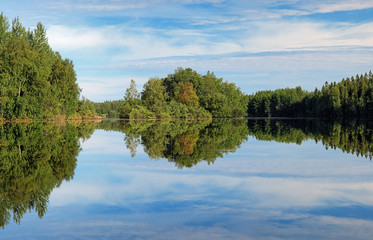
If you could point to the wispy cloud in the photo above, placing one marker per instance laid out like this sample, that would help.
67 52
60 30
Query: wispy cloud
335 6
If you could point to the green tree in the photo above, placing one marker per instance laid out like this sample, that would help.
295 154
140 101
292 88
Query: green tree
36 82
132 95
154 95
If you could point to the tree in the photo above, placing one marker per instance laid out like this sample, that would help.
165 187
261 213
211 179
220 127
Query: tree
125 110
132 95
154 95
35 81
187 95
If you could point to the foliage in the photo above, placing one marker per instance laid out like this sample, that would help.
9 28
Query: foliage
109 109
350 98
154 95
185 94
218 97
35 82
132 95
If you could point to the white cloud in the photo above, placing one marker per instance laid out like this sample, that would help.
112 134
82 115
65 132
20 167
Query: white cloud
80 38
286 35
267 9
335 6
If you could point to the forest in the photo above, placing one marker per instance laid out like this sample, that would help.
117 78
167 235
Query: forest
184 94
108 109
35 81
347 99
187 94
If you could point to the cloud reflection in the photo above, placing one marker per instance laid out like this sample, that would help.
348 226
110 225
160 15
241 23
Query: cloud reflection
264 190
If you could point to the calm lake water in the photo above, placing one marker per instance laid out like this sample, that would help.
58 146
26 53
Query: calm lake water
221 179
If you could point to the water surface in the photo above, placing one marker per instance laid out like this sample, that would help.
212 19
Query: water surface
221 179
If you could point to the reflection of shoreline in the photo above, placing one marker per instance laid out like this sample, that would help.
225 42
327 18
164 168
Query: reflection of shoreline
184 142
35 158
355 137
291 187
96 119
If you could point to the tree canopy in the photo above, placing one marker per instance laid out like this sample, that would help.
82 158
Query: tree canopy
186 94
35 81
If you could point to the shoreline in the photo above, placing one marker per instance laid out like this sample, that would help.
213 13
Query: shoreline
56 120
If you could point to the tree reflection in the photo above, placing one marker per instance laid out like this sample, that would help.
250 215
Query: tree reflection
354 137
186 143
34 159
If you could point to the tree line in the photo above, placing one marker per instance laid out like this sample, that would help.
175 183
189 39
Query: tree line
108 109
184 94
349 98
187 94
35 81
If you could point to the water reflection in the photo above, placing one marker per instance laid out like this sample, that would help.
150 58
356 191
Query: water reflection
34 159
188 142
262 184
351 137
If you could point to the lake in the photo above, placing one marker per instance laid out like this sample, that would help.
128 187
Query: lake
219 179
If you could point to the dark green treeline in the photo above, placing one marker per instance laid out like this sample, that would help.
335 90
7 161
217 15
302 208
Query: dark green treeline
350 98
34 159
108 109
35 81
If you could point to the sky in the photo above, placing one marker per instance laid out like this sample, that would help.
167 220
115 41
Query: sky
258 45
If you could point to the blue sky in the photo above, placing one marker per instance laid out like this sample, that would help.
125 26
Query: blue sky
258 45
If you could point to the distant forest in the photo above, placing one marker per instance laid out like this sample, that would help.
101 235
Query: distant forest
35 81
350 98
